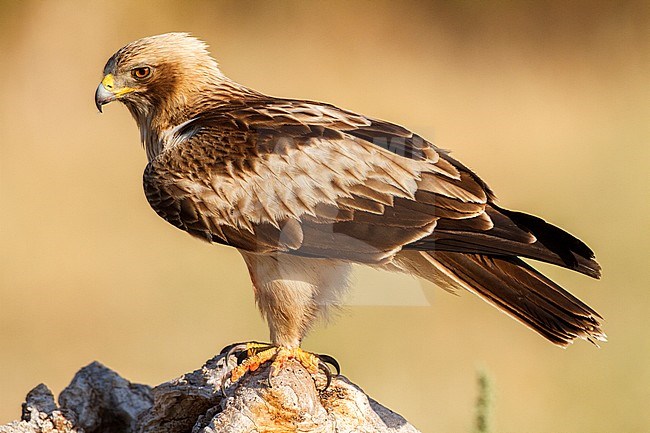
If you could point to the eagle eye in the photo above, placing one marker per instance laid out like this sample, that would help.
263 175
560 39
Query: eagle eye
141 73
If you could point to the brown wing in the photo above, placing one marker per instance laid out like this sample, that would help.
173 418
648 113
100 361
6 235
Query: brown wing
291 177
312 179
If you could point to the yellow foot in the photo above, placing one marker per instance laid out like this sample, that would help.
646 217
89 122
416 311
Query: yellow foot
250 356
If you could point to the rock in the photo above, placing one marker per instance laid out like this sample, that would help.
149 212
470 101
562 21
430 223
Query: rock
100 401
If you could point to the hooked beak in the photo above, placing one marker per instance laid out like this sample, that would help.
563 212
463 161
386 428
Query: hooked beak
107 92
103 96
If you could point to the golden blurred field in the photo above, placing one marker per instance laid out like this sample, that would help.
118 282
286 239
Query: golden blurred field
547 101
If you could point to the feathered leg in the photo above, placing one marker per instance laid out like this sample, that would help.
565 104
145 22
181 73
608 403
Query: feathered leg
291 292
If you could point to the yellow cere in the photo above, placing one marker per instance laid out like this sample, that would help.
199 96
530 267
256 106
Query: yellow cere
109 83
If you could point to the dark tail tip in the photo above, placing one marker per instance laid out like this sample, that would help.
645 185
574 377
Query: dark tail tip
574 253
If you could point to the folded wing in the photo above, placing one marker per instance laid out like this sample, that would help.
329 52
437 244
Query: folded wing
297 177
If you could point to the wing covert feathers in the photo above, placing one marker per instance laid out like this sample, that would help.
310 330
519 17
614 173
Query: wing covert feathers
241 175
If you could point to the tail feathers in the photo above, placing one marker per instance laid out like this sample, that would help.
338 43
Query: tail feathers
574 253
520 291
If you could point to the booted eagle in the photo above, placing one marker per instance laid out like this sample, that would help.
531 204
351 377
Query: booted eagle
305 189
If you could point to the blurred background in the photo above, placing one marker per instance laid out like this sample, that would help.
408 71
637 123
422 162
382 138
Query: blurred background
548 101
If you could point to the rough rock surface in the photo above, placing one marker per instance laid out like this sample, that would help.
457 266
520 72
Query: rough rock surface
100 401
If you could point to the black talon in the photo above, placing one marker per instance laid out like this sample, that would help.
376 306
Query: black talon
228 351
236 350
227 348
330 360
328 373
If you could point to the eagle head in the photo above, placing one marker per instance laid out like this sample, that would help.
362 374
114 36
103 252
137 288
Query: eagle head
163 80
157 73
